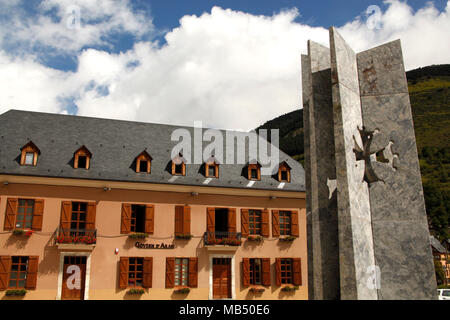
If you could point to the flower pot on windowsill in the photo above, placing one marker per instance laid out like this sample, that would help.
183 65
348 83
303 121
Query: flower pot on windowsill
138 235
135 291
255 238
182 290
22 232
183 236
257 289
16 292
289 288
288 238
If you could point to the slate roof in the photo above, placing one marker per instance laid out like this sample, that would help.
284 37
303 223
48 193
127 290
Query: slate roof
437 245
114 145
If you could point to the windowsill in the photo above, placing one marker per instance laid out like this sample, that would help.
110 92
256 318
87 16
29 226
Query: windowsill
76 246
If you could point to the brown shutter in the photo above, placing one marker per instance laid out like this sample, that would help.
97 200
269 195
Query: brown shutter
90 217
38 214
125 223
259 172
5 268
244 222
10 214
187 220
170 272
294 223
275 223
138 162
149 218
66 212
148 274
123 272
210 219
193 272
231 220
32 271
179 219
75 161
245 272
278 271
183 166
297 271
265 223
266 272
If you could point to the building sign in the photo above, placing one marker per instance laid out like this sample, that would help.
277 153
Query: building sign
140 245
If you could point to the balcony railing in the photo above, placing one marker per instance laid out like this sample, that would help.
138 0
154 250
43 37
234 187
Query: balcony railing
222 238
75 236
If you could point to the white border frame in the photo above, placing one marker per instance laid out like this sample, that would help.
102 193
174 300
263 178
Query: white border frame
61 271
233 275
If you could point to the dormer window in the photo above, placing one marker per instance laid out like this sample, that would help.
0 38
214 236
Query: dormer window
254 171
284 172
82 158
143 162
211 168
29 154
179 166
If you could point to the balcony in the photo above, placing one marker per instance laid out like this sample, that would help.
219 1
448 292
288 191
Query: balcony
220 240
75 239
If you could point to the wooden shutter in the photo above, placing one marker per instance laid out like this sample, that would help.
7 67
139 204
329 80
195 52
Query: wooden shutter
231 220
125 222
10 214
211 219
179 219
266 281
278 271
149 218
123 272
5 268
32 271
265 223
244 222
187 220
294 223
245 272
275 223
148 274
170 272
297 271
193 272
183 166
38 214
66 212
90 217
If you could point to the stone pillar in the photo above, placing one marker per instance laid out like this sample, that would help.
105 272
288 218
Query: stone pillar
370 239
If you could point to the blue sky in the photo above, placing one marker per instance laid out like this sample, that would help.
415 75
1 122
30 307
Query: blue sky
231 64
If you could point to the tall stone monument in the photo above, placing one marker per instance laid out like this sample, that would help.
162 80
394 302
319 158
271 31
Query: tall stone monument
368 235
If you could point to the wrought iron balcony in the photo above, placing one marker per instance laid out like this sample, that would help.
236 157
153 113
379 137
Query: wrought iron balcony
222 238
75 236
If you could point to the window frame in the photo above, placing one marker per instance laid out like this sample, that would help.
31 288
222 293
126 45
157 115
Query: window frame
208 166
284 168
139 261
24 214
83 152
78 231
286 276
29 148
143 156
255 273
183 274
18 272
253 214
285 226
250 168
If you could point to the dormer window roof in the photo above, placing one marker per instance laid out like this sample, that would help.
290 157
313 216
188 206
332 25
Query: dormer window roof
179 165
143 162
211 167
284 172
253 170
29 154
82 158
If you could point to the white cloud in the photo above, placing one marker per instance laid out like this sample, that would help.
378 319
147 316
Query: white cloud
227 68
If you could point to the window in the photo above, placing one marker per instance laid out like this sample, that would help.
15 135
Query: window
143 162
211 169
254 221
179 168
284 176
135 272
18 274
285 222
82 158
254 171
284 172
182 220
78 218
286 271
137 223
24 219
255 271
181 271
29 154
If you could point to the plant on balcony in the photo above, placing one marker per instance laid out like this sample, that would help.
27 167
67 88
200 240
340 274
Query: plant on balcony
257 289
289 288
255 238
136 291
288 238
76 239
16 292
181 236
182 290
138 235
227 242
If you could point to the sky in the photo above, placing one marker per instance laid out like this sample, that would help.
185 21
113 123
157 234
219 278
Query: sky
230 64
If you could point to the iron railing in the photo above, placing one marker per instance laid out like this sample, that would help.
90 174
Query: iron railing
222 238
76 236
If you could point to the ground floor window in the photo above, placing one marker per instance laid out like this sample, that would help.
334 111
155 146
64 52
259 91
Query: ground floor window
18 274
286 271
135 272
181 271
255 271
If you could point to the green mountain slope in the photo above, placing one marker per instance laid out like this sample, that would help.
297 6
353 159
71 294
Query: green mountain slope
429 90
